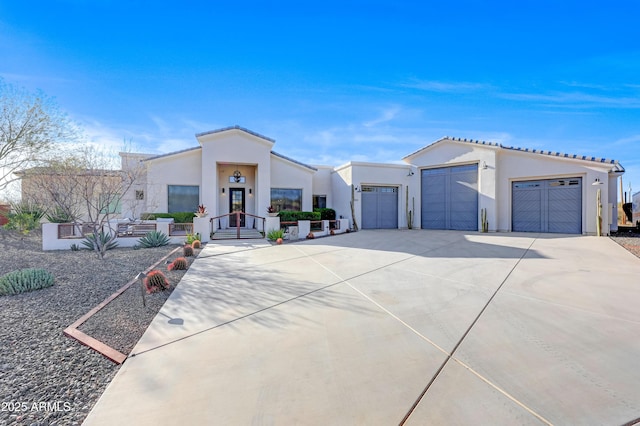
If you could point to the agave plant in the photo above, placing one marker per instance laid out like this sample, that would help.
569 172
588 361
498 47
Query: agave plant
102 240
154 239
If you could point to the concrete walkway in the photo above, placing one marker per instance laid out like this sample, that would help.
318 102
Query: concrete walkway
381 327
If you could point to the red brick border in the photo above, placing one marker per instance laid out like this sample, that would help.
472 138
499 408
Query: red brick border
73 332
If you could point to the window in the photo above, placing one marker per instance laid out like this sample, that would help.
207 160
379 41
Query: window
286 199
109 203
139 194
319 201
183 198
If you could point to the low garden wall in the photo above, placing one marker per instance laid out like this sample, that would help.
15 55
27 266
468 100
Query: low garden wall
304 227
54 238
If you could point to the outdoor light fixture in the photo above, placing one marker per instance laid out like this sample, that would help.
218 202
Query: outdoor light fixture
250 192
223 190
484 165
410 173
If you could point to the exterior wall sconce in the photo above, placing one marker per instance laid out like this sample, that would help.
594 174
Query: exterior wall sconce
223 190
410 173
250 191
484 165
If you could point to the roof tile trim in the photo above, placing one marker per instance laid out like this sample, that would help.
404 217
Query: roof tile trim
512 148
236 127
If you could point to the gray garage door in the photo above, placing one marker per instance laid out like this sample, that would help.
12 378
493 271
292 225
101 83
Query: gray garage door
552 205
450 198
379 207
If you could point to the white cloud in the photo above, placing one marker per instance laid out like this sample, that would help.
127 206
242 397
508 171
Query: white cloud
387 115
447 87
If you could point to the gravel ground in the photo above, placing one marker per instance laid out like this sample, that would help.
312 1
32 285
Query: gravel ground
628 240
47 378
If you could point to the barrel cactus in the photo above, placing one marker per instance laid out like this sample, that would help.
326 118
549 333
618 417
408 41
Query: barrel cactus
187 250
156 281
180 263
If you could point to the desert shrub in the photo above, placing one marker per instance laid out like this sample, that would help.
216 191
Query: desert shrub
25 217
156 281
192 237
179 264
326 213
154 239
59 215
25 280
294 216
196 244
187 250
274 234
102 240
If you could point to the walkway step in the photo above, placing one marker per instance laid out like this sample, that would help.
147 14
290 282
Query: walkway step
232 233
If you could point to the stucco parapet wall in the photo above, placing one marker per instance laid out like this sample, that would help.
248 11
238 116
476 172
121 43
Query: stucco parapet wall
236 127
365 164
169 154
284 157
616 167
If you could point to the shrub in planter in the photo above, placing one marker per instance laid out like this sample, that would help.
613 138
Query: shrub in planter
187 250
178 217
325 213
274 234
154 239
25 280
294 216
192 237
179 264
156 281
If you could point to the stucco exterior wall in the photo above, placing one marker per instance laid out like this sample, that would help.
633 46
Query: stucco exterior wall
341 181
518 166
178 169
235 148
454 153
285 174
321 184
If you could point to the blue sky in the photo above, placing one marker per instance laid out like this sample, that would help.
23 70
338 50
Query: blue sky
338 80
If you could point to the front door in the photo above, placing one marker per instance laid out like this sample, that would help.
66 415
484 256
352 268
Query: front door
236 203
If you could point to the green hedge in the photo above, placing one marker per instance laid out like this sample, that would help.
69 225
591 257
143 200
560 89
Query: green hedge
178 217
294 216
326 213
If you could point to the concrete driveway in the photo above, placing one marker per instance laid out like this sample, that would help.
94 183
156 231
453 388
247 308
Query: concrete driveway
384 327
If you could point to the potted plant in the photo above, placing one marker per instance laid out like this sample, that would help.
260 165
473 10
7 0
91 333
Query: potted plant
271 211
201 211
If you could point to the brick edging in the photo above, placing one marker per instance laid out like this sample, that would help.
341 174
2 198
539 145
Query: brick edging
107 351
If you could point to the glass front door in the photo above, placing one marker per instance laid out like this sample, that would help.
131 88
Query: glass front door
236 203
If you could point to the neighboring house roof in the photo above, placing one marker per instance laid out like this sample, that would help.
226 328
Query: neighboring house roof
236 127
294 161
617 167
53 171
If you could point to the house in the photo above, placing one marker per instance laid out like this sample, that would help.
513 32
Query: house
451 184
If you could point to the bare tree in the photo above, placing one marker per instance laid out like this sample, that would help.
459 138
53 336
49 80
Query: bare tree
30 126
85 186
